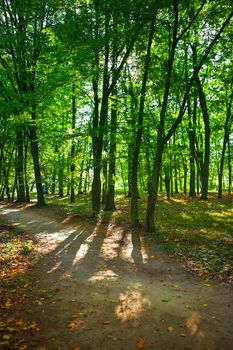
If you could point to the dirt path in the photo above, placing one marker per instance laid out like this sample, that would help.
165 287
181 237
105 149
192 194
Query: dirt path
99 288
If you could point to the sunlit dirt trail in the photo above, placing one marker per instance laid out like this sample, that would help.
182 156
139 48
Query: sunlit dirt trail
101 287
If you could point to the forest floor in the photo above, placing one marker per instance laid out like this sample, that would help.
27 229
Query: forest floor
72 283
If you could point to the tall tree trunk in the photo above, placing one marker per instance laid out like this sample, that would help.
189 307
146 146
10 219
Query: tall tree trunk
53 187
153 192
225 139
36 164
99 122
191 134
110 200
134 180
20 167
205 164
80 184
131 121
229 165
72 153
185 178
105 172
176 177
25 168
60 175
167 182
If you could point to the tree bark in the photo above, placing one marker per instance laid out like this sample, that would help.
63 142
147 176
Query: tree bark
205 163
229 165
225 139
153 192
20 167
36 163
134 179
72 152
110 200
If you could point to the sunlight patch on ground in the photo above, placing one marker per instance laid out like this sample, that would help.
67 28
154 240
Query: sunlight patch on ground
84 247
111 243
126 250
192 324
8 211
55 267
31 222
65 234
49 222
131 304
186 216
144 254
220 215
108 275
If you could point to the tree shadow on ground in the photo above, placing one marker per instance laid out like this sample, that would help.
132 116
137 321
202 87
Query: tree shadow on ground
100 288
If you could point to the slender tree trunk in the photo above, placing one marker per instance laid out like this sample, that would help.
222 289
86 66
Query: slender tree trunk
176 178
134 185
72 153
36 165
185 178
229 165
198 182
25 169
110 201
99 122
225 139
153 192
205 166
20 167
80 185
132 127
191 134
167 182
61 175
105 172
53 187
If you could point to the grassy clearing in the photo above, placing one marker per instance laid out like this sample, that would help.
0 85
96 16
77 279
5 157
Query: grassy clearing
198 232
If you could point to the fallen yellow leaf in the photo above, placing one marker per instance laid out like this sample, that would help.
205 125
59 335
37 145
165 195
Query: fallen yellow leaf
6 336
170 329
141 342
105 322
75 324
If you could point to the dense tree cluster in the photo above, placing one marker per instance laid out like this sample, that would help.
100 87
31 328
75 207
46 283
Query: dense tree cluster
106 94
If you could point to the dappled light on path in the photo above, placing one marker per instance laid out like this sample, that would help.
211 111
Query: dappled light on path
82 251
70 242
193 325
111 243
144 252
104 275
85 246
132 304
55 267
127 248
92 283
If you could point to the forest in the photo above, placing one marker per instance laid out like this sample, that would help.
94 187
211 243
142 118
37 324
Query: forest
104 97
117 113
